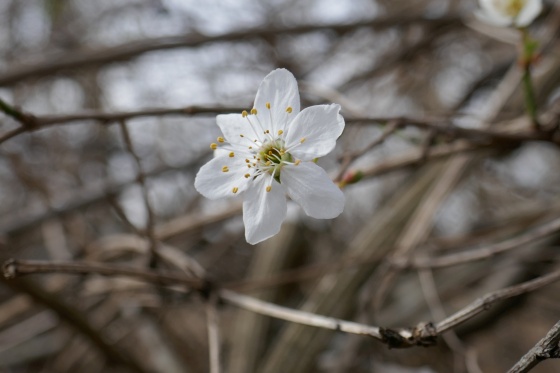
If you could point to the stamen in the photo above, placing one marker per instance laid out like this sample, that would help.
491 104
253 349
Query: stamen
231 154
213 146
246 161
241 136
235 189
221 139
247 176
297 162
254 111
244 113
269 188
268 105
280 132
289 110
225 169
302 140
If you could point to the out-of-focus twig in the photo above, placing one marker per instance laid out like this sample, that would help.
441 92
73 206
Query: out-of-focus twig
141 179
132 49
74 318
483 252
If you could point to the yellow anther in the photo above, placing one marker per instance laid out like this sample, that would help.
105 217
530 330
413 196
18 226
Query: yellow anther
267 131
270 152
254 111
244 113
250 147
221 139
225 169
289 109
302 140
268 105
246 161
247 176
231 154
235 189
248 166
297 162
269 188
282 152
280 132
268 163
213 146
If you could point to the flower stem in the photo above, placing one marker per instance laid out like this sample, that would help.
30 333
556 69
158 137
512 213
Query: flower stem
528 54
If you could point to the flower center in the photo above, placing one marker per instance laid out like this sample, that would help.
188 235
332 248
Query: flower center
272 156
510 7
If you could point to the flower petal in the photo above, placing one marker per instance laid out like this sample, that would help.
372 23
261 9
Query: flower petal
280 90
310 186
314 131
530 11
263 212
212 182
235 125
492 14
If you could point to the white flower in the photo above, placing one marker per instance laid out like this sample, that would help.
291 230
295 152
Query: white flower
269 153
518 13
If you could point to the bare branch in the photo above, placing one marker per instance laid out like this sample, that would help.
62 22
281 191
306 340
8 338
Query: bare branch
547 348
132 49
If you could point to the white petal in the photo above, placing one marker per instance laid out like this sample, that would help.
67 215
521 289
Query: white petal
213 183
233 126
263 212
492 14
279 88
530 11
314 131
493 19
310 186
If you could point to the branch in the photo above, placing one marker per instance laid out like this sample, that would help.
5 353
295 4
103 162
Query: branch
547 348
424 334
483 252
100 56
74 318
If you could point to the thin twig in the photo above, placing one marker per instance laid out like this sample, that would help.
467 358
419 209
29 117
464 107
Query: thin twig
546 348
141 179
483 252
488 300
351 157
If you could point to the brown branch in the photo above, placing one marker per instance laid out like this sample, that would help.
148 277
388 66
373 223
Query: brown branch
483 252
33 123
141 179
74 318
485 302
76 59
424 334
15 268
546 348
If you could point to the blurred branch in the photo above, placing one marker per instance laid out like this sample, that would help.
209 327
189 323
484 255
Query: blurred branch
74 318
141 179
130 50
483 252
424 334
39 122
547 348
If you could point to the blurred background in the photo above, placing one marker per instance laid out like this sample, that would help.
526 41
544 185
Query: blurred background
76 189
